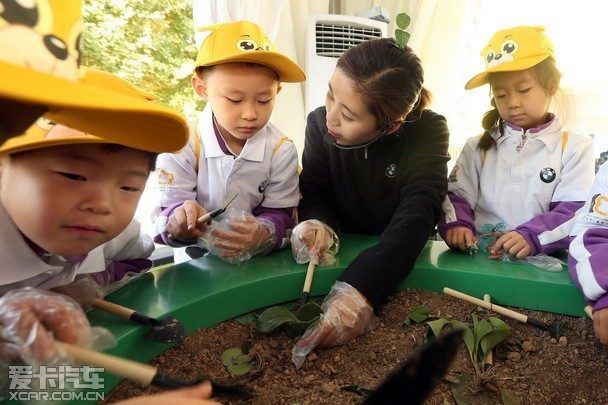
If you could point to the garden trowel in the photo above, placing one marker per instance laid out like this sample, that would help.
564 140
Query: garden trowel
165 330
416 378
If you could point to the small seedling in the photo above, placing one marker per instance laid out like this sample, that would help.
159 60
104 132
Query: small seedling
237 360
298 321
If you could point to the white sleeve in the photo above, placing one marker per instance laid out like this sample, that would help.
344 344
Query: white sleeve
577 171
176 174
129 244
464 178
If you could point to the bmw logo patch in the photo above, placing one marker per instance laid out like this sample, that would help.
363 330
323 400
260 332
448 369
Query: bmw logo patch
262 186
391 170
547 175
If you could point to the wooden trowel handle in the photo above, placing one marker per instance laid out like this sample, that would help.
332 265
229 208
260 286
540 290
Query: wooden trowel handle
132 370
113 308
487 305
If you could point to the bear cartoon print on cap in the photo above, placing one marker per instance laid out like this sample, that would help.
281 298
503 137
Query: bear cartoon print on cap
244 41
39 65
512 50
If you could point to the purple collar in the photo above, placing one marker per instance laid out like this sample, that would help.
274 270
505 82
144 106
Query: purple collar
45 256
220 138
550 119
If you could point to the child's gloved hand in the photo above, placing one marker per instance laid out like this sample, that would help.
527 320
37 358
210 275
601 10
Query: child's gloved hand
346 315
32 319
84 290
182 225
239 237
460 237
600 325
312 239
512 243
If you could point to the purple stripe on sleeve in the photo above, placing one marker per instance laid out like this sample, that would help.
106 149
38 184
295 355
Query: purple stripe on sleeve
281 218
548 232
115 271
463 213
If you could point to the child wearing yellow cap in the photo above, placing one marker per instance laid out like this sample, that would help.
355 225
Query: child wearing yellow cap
233 150
67 201
526 170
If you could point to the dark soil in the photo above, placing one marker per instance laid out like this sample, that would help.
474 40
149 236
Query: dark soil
534 367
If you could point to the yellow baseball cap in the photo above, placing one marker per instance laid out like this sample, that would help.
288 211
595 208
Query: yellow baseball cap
511 50
244 41
39 65
45 132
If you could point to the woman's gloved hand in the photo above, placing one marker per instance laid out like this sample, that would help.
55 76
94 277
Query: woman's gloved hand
314 240
31 320
346 315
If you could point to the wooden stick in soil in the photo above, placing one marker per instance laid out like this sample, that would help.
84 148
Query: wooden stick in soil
312 264
552 328
489 360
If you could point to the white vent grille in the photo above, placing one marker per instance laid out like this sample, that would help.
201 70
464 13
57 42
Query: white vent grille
334 38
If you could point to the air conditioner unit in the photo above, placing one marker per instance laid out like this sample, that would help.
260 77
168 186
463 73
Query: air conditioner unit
327 37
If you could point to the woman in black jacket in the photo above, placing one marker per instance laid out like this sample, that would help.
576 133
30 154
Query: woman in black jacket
374 162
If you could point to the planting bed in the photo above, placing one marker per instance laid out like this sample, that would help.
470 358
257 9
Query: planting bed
529 366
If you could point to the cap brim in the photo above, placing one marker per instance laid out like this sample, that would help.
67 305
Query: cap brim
288 71
113 117
512 66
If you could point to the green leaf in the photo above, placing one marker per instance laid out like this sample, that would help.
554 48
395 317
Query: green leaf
402 37
298 328
499 332
403 20
420 314
437 325
239 369
508 397
310 311
236 362
274 317
468 336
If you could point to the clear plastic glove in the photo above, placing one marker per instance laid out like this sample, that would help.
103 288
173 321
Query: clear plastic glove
346 315
31 320
182 225
542 261
84 290
312 239
238 237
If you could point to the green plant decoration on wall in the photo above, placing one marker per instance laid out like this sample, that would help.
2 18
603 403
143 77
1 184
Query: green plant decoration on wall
401 35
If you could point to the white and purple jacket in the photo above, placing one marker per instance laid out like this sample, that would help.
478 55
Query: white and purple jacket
534 181
264 174
588 258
